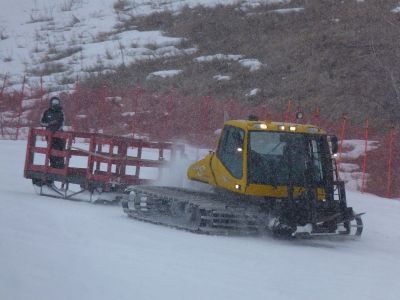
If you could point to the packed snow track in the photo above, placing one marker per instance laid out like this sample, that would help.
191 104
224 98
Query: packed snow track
59 249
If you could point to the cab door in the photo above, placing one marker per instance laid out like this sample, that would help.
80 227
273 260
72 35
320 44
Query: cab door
229 167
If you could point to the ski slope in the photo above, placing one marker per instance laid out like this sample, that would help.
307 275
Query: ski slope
59 249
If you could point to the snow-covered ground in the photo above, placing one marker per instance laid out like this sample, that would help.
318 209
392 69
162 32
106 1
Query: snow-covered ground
58 249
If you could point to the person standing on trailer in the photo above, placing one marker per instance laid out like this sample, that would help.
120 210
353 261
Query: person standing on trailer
53 120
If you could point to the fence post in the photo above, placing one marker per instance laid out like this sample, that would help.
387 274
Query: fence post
390 164
288 111
264 112
341 137
20 108
73 110
77 81
170 109
317 116
205 113
4 85
364 165
1 102
104 110
41 88
72 107
135 108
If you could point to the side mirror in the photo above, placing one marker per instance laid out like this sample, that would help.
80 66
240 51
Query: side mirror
334 144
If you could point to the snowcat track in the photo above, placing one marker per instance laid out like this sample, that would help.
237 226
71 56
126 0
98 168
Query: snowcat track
197 212
202 212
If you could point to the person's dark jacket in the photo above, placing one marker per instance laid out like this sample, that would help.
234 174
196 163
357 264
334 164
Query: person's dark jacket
53 118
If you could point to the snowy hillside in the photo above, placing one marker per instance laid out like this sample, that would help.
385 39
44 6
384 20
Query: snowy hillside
58 249
63 39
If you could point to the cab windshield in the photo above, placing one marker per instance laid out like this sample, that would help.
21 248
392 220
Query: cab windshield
279 158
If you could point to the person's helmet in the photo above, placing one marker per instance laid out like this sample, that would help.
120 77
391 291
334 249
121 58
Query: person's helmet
55 101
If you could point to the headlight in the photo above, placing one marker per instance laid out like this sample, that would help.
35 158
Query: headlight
292 128
260 126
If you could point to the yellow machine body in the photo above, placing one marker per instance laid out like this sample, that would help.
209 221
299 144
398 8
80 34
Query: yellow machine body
268 176
212 171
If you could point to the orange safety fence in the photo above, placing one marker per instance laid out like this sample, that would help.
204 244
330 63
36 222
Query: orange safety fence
366 155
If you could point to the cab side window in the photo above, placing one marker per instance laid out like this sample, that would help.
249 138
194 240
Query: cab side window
230 150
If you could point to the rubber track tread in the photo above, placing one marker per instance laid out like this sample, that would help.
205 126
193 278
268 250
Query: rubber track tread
214 215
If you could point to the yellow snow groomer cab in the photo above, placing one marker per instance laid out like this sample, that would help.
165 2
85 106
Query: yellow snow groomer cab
269 159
